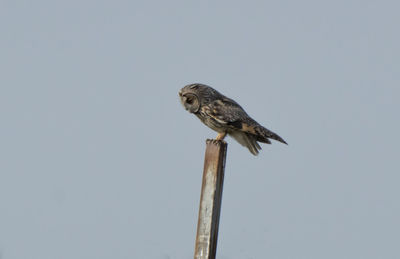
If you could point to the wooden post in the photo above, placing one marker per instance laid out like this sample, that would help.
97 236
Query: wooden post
210 199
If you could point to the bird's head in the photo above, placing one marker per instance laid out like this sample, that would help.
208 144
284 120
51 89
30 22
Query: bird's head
193 96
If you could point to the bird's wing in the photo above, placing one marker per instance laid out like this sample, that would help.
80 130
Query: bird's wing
227 111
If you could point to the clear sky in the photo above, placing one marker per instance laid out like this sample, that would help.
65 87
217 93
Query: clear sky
98 159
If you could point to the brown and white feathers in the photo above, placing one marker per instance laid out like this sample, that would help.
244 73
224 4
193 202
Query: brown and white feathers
225 116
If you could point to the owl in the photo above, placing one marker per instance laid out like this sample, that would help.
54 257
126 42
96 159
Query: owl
225 116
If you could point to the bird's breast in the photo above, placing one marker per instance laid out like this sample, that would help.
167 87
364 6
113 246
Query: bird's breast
211 122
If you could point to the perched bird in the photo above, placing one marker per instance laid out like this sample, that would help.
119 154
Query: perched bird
225 116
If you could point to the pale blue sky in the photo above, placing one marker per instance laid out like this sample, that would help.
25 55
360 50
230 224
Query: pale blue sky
99 160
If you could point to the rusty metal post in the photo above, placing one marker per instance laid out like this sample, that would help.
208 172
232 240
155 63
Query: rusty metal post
210 199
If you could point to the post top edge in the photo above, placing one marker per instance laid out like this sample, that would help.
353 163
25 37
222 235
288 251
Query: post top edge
216 142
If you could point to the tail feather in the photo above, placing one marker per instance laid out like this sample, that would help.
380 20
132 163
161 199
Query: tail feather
264 134
247 140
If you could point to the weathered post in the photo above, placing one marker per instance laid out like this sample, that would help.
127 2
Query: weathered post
210 199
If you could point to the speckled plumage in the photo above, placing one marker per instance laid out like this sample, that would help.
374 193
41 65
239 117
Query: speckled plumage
225 116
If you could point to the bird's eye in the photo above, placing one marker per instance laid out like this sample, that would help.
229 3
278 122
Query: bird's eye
189 100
